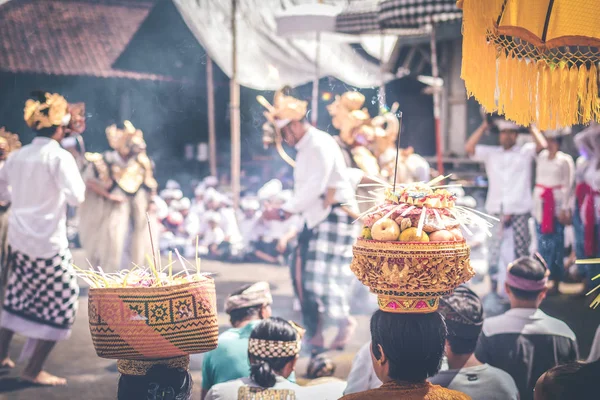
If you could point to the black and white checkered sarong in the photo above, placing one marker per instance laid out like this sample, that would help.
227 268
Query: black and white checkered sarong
42 290
325 280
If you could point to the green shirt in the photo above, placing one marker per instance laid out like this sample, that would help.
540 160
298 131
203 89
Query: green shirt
230 360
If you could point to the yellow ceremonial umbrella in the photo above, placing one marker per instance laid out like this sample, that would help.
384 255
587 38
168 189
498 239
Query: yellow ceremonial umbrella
533 60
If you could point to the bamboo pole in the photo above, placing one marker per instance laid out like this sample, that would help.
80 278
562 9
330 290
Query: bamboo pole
235 113
382 99
212 139
436 102
315 88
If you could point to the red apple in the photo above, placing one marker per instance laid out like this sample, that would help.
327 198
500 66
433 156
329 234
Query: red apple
457 233
441 236
386 230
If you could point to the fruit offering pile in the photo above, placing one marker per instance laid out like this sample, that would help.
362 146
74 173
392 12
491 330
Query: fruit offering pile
415 213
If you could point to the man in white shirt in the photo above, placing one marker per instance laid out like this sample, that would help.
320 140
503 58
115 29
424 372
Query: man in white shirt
554 186
509 169
320 272
40 180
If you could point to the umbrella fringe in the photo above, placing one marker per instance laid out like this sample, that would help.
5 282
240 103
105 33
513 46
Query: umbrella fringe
525 84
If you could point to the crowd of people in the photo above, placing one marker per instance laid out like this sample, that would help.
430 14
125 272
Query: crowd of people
209 225
563 199
454 352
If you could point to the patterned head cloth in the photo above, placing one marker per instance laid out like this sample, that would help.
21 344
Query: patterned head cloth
463 312
256 295
265 349
124 140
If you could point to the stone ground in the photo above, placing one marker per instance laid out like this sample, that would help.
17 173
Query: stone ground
93 378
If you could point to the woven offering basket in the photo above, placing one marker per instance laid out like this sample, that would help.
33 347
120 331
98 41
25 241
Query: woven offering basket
154 323
409 276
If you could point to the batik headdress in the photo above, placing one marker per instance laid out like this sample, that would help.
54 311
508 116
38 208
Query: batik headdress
412 251
263 348
119 139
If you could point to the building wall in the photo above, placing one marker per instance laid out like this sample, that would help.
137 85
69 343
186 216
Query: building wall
171 115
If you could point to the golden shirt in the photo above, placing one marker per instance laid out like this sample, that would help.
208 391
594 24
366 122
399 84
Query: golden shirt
408 391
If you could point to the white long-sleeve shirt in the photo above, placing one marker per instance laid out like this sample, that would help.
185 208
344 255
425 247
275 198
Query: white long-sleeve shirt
40 180
557 173
509 176
362 376
319 165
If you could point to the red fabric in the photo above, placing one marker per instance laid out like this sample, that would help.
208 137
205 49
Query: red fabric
585 201
549 206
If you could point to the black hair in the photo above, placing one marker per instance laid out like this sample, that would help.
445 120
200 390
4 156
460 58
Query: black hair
530 268
461 345
463 313
576 380
159 383
263 370
46 132
241 314
412 343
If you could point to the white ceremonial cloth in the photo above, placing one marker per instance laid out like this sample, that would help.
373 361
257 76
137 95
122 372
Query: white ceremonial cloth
557 173
319 165
40 180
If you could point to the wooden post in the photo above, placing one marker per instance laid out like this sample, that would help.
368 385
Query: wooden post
212 139
436 102
315 89
382 99
234 102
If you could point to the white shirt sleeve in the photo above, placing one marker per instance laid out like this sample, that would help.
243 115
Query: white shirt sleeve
69 179
529 150
362 375
312 173
4 186
482 151
569 185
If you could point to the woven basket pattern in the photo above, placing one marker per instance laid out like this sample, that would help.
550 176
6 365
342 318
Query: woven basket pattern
421 270
154 323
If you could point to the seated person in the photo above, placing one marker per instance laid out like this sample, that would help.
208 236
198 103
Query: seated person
273 350
577 380
463 313
274 246
524 341
406 350
246 307
213 241
163 379
248 221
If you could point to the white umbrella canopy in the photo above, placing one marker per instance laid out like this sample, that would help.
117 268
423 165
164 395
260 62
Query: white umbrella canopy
266 60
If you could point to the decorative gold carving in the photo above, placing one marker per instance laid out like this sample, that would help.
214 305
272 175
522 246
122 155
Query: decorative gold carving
411 269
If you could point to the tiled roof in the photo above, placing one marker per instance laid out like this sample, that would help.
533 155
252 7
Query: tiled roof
70 37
